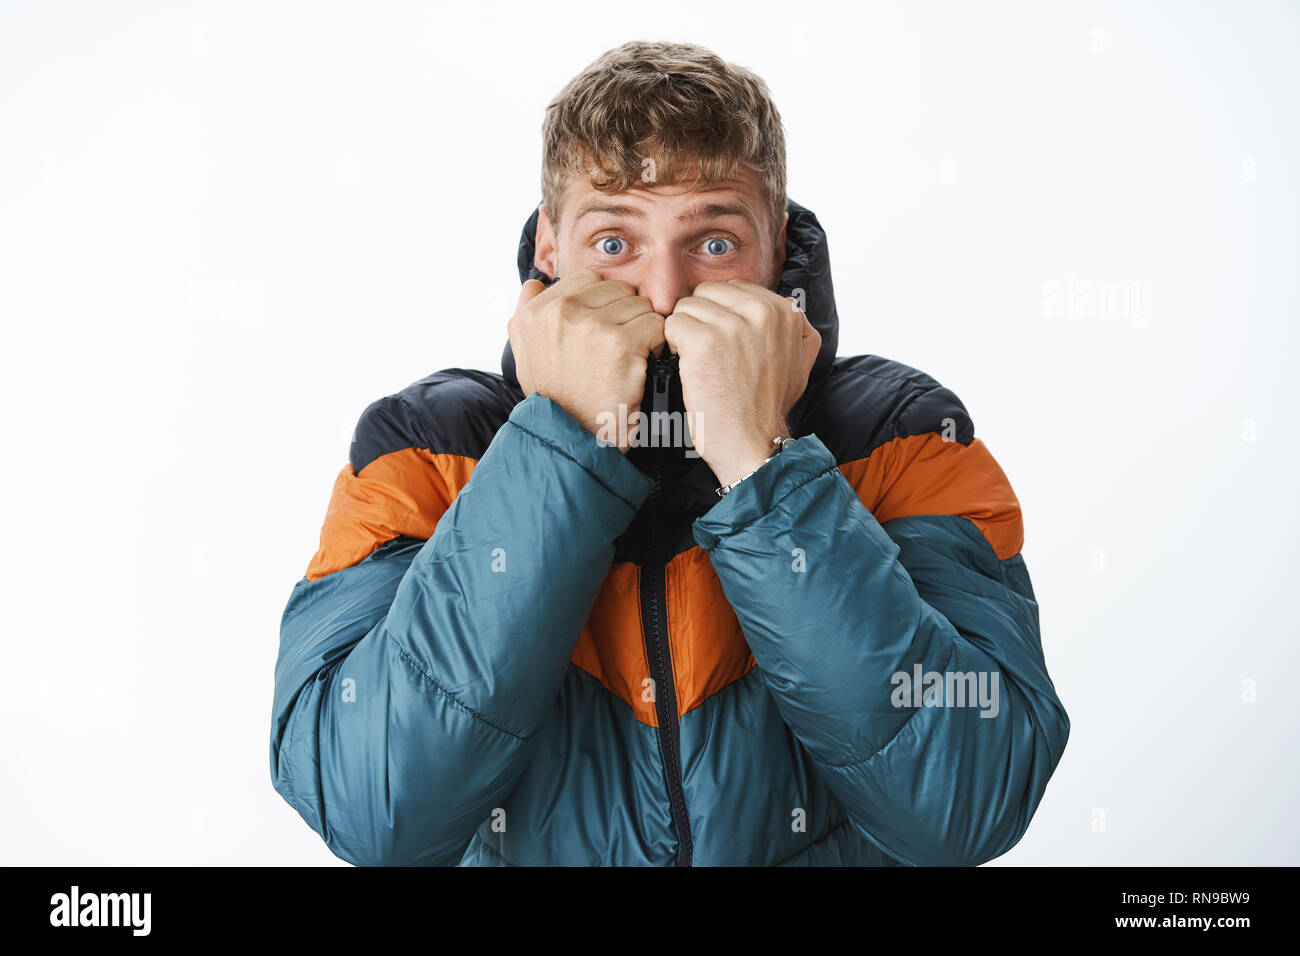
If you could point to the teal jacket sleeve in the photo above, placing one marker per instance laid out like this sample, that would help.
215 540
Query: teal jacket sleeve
905 657
408 686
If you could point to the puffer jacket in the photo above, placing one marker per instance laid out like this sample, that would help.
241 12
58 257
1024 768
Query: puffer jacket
518 646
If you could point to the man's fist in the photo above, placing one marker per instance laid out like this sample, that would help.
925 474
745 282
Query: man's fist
744 358
584 343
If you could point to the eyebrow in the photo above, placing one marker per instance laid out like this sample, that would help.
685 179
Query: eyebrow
702 210
715 210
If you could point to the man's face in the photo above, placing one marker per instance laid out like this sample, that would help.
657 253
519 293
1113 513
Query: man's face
664 239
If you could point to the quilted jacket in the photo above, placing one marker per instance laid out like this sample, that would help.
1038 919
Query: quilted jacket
518 646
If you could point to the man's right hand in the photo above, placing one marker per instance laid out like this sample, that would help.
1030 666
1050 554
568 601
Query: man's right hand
583 343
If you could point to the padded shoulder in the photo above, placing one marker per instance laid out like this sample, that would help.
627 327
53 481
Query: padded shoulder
907 446
455 411
411 453
867 400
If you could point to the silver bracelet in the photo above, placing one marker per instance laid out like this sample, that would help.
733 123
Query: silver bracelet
781 444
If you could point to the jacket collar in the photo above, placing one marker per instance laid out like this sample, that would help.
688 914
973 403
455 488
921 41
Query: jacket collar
807 267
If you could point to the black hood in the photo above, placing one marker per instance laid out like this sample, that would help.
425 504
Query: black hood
807 267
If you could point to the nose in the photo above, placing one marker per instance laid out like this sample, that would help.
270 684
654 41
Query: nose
663 280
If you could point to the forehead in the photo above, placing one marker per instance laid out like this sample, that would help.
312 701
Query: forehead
736 200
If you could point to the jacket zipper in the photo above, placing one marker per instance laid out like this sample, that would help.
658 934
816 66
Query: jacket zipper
654 611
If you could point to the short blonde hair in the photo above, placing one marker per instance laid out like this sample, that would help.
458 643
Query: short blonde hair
676 104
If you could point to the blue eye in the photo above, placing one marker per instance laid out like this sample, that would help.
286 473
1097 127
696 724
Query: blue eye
717 246
604 245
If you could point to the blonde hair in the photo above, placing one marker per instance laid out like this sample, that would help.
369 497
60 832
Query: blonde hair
676 105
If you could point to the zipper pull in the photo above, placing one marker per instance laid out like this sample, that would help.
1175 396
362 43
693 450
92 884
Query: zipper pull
663 375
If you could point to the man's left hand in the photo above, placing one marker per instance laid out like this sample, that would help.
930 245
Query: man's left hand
745 354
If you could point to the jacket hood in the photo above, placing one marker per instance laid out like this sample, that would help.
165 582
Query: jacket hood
807 266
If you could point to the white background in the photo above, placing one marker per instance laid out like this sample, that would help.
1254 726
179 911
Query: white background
227 228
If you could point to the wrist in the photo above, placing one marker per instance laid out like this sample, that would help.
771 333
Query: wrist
739 469
738 465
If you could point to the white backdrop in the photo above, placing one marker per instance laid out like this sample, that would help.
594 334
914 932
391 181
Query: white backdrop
226 228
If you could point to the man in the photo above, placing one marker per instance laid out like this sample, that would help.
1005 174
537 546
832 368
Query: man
540 630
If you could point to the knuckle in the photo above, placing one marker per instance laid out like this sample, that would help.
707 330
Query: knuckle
568 308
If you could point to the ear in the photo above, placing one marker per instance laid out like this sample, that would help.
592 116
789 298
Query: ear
544 246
